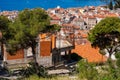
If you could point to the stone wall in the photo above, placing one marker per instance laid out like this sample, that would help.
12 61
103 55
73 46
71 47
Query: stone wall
45 61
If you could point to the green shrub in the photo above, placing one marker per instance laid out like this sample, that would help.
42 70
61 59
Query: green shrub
89 72
27 72
86 70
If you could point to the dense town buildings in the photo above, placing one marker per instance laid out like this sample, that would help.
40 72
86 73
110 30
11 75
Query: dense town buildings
80 21
76 23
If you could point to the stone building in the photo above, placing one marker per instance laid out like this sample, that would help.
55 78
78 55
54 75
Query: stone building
47 53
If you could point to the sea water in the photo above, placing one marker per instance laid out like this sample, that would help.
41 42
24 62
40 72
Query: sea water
22 4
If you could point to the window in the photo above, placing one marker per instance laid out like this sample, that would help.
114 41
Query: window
29 52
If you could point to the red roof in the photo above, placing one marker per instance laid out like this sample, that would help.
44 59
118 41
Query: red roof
100 16
111 15
54 22
91 54
70 25
55 17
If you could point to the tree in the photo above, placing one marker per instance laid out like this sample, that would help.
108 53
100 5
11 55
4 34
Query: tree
87 71
4 23
117 3
106 35
110 3
25 30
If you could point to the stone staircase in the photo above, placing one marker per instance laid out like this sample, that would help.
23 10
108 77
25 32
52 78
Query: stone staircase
16 66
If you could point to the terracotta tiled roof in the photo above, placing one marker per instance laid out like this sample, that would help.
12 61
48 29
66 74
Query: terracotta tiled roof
90 54
60 9
111 15
82 33
84 16
55 17
54 22
76 27
70 25
91 17
100 16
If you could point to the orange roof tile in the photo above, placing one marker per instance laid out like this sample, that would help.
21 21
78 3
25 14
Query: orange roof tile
111 15
54 17
84 33
54 22
91 54
70 25
91 17
60 9
100 16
